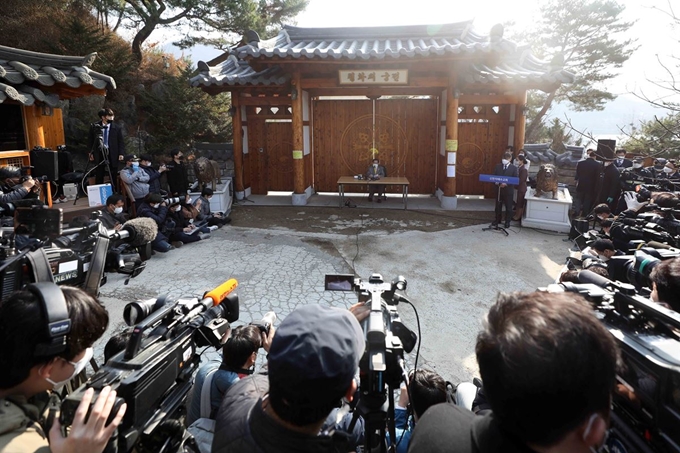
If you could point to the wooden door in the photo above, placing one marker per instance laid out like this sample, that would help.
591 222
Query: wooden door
482 139
402 134
278 154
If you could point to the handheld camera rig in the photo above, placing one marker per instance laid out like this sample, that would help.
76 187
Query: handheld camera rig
154 373
382 367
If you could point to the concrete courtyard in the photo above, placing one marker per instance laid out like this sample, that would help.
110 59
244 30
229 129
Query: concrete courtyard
453 275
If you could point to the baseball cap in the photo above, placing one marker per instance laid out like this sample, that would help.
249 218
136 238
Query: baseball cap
130 157
315 354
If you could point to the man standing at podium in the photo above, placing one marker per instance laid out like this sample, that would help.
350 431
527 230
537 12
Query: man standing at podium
106 139
505 192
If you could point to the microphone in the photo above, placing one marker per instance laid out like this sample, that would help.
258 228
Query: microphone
138 231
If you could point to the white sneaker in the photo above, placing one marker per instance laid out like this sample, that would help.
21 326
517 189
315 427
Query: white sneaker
212 227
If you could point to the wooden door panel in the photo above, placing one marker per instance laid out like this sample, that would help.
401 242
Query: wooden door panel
279 156
404 134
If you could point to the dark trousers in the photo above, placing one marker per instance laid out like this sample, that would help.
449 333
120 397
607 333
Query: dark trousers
186 238
219 221
583 203
373 188
504 199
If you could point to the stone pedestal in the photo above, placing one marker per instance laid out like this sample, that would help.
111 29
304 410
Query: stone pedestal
547 214
222 197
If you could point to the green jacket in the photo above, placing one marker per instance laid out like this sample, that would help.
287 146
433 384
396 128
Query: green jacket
20 431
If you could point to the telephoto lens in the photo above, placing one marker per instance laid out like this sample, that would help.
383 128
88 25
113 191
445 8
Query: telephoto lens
266 322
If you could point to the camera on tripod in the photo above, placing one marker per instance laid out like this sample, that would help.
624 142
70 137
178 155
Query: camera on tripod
382 367
154 374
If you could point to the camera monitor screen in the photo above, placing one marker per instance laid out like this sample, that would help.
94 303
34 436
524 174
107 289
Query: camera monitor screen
339 282
38 222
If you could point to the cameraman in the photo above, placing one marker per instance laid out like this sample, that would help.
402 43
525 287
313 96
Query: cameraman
549 368
156 209
239 354
32 367
12 188
154 175
665 279
312 362
106 139
202 204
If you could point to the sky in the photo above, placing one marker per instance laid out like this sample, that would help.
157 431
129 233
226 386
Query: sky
655 36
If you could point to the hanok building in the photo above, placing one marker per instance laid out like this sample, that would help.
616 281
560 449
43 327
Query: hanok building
32 86
437 104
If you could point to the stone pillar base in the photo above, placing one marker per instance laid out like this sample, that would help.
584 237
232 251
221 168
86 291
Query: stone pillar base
450 203
299 199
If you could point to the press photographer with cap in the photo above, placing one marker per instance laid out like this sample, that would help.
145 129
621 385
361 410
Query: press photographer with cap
135 178
312 361
46 338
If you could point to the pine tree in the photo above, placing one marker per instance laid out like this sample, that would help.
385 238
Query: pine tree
590 36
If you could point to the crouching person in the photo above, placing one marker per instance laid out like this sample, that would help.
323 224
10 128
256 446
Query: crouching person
214 378
549 369
155 208
312 363
202 204
46 338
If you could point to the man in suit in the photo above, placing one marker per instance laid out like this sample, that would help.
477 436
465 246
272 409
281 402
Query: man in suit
587 177
374 172
611 185
106 138
506 192
621 162
523 174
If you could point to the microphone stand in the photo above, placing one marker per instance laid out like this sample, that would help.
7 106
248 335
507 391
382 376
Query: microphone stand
497 227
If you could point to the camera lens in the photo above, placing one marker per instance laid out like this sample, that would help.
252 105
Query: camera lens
136 311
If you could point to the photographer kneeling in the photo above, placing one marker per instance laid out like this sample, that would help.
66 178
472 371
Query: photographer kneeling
312 362
46 337
238 360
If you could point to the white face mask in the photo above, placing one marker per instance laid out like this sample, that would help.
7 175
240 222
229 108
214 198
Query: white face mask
118 210
637 166
178 208
155 205
667 170
77 368
191 220
505 161
375 165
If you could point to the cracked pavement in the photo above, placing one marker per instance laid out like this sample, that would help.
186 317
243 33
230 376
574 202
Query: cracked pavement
453 272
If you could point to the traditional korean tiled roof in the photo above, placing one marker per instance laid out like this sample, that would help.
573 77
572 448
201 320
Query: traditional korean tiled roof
29 77
233 71
515 63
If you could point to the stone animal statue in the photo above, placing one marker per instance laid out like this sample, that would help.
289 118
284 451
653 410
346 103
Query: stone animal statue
207 171
546 180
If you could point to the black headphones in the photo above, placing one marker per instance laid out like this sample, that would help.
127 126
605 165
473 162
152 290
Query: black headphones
58 324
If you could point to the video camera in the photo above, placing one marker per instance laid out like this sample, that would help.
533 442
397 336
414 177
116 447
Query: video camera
154 373
646 403
41 250
382 367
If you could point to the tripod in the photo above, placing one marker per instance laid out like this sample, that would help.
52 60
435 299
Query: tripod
97 146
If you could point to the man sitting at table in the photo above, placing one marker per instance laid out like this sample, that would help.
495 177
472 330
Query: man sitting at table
374 172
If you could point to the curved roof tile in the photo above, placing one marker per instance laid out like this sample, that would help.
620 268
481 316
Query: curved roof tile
19 68
382 43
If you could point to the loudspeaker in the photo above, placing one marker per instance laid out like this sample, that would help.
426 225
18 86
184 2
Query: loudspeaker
45 163
606 148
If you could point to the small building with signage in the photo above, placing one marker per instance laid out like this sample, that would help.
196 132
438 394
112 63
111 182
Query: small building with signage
437 104
32 87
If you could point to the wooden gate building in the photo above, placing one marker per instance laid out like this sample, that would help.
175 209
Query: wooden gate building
437 104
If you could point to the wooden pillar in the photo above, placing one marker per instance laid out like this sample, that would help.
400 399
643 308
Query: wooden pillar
238 144
451 144
298 142
520 121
